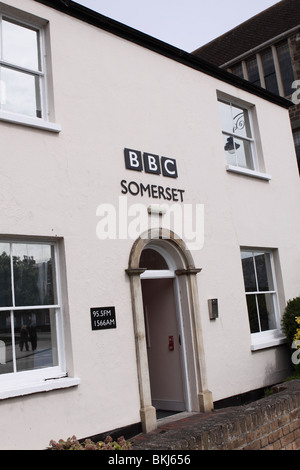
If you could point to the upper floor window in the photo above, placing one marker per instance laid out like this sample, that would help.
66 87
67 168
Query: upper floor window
23 90
237 134
271 69
296 135
21 71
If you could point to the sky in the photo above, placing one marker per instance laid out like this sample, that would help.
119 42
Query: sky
186 24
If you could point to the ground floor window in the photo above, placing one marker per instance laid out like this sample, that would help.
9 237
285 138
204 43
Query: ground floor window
30 311
260 289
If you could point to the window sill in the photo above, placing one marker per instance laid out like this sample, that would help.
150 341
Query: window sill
36 387
246 172
29 122
259 342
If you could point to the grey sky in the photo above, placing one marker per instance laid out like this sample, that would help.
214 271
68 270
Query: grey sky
186 24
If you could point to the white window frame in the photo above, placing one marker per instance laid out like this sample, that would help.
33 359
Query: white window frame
255 172
274 337
48 378
23 119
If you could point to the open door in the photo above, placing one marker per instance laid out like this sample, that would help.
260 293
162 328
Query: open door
167 324
163 344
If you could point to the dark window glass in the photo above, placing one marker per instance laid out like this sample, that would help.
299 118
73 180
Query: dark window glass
33 276
249 272
296 134
258 278
151 259
253 73
252 313
286 68
5 276
237 70
269 71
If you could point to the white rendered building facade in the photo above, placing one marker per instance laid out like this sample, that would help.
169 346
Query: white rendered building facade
149 235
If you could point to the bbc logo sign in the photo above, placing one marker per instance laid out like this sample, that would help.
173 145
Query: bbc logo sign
150 163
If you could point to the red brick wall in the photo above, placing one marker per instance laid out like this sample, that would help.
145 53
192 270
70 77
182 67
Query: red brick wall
272 423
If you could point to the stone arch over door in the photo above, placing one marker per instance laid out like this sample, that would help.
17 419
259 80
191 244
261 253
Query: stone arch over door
186 272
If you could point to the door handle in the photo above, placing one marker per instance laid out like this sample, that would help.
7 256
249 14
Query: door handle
171 343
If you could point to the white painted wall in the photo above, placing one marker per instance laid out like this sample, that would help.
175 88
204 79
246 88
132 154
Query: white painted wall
110 94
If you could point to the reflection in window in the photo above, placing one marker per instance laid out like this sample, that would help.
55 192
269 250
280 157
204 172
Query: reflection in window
33 276
20 45
253 72
35 339
22 93
28 310
5 276
269 71
20 69
260 290
238 70
237 135
286 68
261 70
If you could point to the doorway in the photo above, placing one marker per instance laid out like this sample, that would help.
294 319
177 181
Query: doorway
165 336
164 349
165 311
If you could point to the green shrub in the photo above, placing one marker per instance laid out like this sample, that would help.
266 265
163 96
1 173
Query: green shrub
289 323
72 443
290 327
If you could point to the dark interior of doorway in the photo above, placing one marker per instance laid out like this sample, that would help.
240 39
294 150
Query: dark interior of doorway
160 414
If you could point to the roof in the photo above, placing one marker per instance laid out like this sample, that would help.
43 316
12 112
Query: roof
276 20
86 15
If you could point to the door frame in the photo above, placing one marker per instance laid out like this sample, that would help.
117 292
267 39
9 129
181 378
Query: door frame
171 274
184 269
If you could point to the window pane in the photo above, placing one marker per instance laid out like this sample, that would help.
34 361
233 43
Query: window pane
241 123
244 154
266 312
252 313
263 271
296 135
248 271
33 274
238 152
263 313
235 119
253 73
5 276
286 68
226 116
22 93
269 71
151 259
6 357
238 70
20 45
35 336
